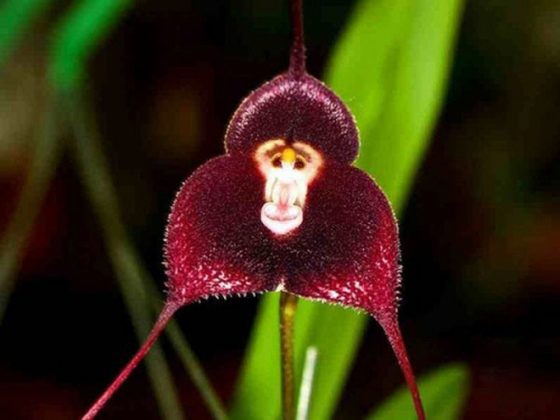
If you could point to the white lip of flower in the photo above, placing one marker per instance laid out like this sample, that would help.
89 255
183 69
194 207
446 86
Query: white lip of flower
288 171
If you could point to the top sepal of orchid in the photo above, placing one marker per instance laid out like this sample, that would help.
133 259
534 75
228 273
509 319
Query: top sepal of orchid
302 108
285 210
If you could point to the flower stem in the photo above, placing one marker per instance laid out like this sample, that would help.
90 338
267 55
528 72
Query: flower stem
288 305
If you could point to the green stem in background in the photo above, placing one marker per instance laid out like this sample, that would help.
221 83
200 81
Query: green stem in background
81 30
95 176
75 38
137 285
78 35
195 371
189 360
43 165
15 18
288 305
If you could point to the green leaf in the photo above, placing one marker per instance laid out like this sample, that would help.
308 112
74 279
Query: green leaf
444 393
78 34
394 140
390 66
15 17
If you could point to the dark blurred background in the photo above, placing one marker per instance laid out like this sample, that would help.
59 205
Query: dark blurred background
480 235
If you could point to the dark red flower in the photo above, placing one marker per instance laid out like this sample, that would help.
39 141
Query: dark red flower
285 210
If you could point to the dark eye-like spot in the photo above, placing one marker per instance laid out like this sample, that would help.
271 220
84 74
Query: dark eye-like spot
277 161
300 163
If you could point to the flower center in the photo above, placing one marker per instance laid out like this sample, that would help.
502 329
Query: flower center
288 172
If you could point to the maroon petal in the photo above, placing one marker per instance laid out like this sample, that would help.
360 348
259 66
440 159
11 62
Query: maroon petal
350 251
215 241
302 109
345 251
348 247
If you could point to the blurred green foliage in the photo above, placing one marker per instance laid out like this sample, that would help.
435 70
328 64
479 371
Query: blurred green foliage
131 276
15 18
80 31
43 165
78 34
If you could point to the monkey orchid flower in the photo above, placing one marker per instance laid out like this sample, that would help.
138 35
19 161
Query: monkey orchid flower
284 210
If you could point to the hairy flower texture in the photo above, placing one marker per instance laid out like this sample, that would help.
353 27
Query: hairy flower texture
285 210
346 249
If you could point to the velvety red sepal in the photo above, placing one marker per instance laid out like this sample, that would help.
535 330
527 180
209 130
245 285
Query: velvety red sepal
301 109
214 238
345 251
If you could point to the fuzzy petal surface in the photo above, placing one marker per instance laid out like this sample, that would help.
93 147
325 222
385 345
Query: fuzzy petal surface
301 109
346 250
349 246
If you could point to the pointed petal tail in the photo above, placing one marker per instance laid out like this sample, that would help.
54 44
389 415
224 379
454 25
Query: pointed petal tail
391 327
